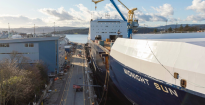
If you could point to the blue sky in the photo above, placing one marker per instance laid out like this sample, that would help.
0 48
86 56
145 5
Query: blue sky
77 13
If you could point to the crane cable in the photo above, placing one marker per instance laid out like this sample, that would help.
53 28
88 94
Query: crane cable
166 68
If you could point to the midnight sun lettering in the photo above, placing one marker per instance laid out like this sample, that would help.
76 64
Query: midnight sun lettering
135 76
165 89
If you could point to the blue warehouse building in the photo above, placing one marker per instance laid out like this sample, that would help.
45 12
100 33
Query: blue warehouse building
50 50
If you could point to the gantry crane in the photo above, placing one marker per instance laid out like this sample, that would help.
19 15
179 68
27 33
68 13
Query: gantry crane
131 22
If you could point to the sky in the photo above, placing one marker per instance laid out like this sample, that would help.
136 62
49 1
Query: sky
78 13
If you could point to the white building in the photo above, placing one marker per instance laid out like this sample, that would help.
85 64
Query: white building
107 28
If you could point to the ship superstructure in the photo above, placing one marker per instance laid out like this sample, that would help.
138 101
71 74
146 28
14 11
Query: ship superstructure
107 28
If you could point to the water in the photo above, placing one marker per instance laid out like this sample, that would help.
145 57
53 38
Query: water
79 38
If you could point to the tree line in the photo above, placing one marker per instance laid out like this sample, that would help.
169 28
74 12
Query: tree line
73 31
20 81
181 29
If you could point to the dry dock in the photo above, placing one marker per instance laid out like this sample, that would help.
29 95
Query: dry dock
78 75
62 90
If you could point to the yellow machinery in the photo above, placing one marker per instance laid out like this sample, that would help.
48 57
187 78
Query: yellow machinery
130 13
96 2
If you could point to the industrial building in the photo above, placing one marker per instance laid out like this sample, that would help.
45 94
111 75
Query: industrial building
50 50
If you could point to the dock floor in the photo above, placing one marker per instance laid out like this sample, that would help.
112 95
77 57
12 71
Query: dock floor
75 76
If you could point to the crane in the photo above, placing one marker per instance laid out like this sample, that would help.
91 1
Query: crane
96 2
131 22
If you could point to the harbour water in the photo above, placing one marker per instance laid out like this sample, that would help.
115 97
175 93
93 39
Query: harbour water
79 38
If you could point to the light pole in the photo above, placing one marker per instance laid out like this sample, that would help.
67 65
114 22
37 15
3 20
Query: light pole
9 28
166 26
34 31
54 28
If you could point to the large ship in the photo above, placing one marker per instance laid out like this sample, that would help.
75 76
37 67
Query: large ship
153 69
102 34
160 71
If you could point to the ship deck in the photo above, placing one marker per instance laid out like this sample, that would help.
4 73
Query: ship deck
106 46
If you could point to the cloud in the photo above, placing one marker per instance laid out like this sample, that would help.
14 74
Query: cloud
196 18
19 20
144 9
198 6
150 17
173 20
61 13
142 17
165 10
82 15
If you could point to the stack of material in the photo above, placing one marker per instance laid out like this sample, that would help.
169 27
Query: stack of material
100 42
107 40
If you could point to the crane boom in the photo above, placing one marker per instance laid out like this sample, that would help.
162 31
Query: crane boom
123 5
118 10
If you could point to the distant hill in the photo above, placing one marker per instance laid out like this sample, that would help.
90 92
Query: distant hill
146 30
40 29
142 29
83 30
74 31
178 25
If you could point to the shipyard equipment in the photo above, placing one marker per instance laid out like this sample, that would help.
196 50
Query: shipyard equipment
132 23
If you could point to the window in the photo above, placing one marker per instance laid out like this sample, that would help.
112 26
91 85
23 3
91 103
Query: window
183 83
26 45
31 45
176 75
4 45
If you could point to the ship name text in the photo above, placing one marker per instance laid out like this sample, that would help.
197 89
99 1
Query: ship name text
135 76
165 89
146 81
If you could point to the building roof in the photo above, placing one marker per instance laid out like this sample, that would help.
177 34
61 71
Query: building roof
28 39
109 20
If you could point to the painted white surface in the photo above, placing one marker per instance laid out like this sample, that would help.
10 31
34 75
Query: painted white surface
16 37
182 57
103 27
